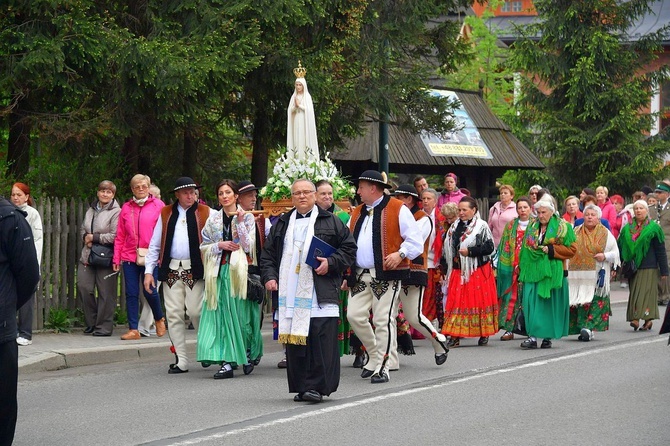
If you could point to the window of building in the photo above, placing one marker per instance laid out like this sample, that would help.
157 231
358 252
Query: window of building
514 6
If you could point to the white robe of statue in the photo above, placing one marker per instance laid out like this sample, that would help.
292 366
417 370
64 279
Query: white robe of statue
301 142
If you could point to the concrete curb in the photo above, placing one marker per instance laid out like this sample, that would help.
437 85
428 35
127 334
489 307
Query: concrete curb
78 357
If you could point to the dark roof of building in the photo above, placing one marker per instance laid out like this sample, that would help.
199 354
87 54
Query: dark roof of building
650 22
407 148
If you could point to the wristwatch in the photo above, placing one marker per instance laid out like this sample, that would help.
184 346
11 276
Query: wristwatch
402 255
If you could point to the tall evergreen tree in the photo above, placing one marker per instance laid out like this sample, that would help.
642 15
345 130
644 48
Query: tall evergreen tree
585 92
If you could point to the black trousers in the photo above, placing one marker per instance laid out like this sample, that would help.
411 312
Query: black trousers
315 366
9 373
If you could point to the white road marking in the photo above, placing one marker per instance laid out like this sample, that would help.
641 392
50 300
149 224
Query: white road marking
401 393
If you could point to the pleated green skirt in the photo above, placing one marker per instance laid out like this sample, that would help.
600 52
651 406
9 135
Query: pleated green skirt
220 332
546 318
249 314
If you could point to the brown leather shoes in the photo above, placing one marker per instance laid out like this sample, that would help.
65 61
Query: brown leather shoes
132 335
647 325
508 336
160 327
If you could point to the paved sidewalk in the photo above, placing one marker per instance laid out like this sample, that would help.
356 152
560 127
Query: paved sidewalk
54 351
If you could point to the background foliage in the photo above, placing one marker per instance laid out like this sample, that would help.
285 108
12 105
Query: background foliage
105 89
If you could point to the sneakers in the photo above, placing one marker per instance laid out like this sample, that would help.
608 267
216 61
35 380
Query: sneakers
132 335
585 335
23 341
623 285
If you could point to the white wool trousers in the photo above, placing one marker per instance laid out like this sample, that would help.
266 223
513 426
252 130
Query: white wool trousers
369 293
180 297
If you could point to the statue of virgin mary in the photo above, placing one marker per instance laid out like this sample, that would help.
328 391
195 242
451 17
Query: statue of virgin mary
301 142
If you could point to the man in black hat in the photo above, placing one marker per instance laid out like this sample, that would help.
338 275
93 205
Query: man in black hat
19 274
388 238
175 248
411 293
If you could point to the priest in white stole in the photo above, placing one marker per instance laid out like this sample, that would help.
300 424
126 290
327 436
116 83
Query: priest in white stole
308 297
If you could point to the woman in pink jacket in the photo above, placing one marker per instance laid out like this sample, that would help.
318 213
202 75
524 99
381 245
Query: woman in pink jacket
605 205
136 225
451 193
501 213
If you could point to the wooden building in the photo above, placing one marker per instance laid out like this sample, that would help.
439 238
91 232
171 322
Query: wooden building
409 153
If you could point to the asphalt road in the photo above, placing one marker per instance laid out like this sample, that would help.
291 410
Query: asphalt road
611 391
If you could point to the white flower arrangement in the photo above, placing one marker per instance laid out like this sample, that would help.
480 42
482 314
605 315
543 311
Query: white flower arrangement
286 171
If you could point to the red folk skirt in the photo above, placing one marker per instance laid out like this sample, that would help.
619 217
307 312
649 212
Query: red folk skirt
472 308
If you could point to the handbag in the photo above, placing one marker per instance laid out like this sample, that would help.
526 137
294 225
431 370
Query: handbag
101 256
141 255
255 289
628 269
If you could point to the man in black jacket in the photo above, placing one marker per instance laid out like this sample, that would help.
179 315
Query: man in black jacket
19 274
308 285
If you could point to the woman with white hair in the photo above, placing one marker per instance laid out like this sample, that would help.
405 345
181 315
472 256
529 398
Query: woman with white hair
641 243
597 253
549 241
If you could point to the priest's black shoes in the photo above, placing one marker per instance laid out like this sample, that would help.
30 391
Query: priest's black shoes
381 377
312 396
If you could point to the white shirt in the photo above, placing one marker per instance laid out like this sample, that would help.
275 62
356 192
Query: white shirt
180 249
412 245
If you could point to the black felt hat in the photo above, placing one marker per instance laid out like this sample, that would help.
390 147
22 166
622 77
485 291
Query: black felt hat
406 189
184 182
373 176
245 186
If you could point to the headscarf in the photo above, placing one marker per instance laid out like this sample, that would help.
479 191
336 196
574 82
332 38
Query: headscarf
635 239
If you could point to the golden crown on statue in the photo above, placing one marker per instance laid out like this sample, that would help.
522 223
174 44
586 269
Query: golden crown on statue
300 71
